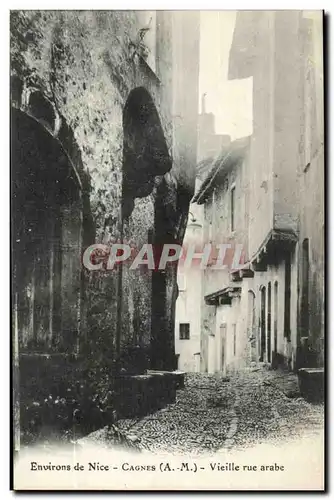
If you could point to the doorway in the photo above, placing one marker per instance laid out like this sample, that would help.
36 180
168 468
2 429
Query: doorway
251 330
263 324
305 313
222 335
275 316
269 325
211 353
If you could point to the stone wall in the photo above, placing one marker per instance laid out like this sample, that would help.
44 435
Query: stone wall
73 74
311 184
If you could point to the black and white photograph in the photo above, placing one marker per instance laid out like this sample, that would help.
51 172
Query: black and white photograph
167 213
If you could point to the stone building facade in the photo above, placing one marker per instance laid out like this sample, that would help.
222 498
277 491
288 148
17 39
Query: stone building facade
104 132
270 199
188 317
223 194
188 311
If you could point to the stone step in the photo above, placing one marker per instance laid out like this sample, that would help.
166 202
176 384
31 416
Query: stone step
139 395
176 375
311 383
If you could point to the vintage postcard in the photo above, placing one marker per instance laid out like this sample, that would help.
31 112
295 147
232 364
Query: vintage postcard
167 250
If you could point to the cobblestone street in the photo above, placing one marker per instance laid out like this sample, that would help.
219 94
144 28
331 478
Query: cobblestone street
213 413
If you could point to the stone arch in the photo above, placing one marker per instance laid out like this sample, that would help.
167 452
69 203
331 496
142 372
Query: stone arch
146 160
51 221
34 103
46 238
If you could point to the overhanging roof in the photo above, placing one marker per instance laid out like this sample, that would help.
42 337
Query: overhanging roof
276 242
225 295
223 162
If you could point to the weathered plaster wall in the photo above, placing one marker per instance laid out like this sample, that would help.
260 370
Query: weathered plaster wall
81 61
311 180
287 148
217 226
188 311
312 227
287 105
188 308
260 165
188 304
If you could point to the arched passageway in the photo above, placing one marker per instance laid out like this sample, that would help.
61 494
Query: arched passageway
46 240
145 152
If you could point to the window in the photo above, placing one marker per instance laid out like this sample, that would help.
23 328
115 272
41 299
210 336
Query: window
232 208
184 331
234 339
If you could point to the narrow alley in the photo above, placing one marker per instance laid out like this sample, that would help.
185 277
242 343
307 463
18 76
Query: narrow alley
167 246
213 412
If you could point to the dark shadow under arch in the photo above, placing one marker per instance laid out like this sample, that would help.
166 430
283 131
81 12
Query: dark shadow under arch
46 230
145 157
145 152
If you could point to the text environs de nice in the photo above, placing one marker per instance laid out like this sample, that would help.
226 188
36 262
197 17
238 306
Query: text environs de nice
216 256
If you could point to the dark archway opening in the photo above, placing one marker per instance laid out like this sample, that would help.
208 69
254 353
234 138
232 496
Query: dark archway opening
146 157
46 240
145 153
